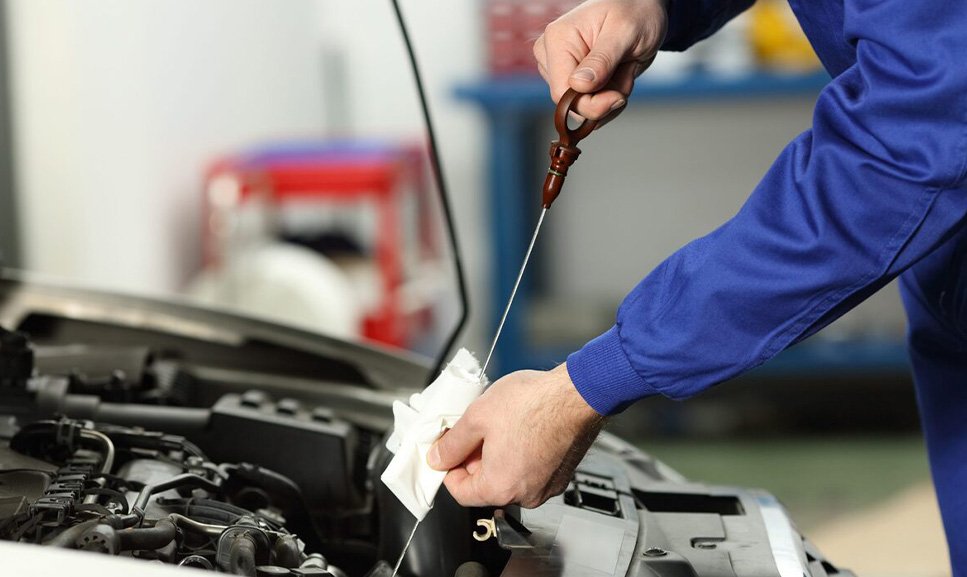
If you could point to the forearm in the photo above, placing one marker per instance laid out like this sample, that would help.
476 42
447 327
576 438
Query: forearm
875 185
776 273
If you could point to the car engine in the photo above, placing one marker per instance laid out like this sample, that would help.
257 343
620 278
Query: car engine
117 450
118 490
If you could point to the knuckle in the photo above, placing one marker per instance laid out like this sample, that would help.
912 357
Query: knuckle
627 30
538 49
552 29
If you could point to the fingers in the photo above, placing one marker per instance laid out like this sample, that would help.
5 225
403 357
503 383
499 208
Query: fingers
598 49
608 51
464 487
455 446
600 104
601 69
558 52
473 487
609 103
540 56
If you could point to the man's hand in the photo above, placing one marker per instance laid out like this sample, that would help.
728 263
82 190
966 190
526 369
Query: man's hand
519 442
599 48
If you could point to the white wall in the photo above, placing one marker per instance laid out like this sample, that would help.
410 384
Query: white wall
118 105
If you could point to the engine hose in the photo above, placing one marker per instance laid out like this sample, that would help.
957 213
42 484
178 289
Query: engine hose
217 509
192 526
36 438
205 510
137 510
241 556
242 547
114 497
107 463
212 515
148 538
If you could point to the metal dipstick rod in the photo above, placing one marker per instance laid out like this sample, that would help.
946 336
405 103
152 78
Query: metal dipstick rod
563 153
513 292
396 568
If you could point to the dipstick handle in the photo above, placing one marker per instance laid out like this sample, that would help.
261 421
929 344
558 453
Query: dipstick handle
564 150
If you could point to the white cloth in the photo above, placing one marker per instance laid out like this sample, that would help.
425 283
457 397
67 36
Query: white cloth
417 425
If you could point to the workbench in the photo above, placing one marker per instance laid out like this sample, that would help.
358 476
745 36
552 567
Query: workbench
517 108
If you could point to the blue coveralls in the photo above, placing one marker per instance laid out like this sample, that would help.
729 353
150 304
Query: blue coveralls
876 189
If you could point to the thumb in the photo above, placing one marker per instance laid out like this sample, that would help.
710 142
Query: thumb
454 446
600 64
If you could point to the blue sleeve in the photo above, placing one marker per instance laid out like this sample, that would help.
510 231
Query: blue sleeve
875 185
692 20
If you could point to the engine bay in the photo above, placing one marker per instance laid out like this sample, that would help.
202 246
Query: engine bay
186 437
117 490
132 451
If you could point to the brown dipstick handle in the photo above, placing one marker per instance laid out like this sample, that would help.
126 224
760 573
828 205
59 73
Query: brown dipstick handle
564 150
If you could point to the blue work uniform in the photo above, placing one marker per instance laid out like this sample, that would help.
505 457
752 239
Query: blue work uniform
876 189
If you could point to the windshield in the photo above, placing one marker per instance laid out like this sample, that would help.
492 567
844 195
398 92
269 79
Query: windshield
268 158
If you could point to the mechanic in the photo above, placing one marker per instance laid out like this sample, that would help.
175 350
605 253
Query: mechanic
875 190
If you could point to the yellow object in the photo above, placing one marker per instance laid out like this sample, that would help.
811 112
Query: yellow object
777 40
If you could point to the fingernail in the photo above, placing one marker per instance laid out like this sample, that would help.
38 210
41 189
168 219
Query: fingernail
433 456
585 74
617 105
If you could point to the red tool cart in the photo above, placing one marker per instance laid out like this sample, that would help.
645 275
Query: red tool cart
364 205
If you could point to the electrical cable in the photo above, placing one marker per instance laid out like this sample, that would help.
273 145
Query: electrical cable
444 199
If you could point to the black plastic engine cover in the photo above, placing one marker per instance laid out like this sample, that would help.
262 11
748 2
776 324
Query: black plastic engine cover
314 449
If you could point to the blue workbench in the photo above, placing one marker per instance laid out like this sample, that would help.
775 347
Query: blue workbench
517 109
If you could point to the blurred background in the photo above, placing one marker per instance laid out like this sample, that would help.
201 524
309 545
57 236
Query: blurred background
270 158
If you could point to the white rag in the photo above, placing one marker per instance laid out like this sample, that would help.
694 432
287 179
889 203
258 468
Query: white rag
416 426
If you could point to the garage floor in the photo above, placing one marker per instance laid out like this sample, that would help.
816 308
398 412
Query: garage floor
866 503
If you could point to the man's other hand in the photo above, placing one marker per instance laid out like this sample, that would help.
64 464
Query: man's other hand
519 442
599 48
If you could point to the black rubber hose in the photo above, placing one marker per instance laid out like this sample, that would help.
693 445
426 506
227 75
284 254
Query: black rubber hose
178 420
148 538
241 560
137 510
234 511
195 527
206 510
185 480
208 514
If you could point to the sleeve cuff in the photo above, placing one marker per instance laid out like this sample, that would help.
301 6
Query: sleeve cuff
605 378
681 15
